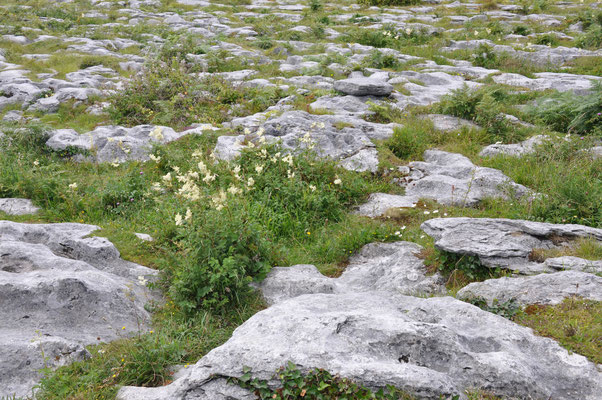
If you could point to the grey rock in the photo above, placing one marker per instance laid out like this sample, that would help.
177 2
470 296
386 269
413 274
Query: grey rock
516 149
379 203
504 243
429 347
448 123
363 87
431 86
350 105
392 267
562 82
346 139
115 143
62 290
450 178
573 263
12 206
13 116
545 289
144 237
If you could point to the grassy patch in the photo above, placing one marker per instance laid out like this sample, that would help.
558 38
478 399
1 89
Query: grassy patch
575 323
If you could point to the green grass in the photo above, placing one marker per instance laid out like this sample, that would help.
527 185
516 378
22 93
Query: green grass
575 323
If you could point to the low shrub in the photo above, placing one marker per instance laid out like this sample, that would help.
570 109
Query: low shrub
571 113
591 38
482 105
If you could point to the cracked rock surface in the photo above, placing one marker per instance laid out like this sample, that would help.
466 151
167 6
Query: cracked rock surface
429 347
62 290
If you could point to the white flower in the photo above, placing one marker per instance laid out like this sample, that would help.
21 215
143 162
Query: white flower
403 227
250 182
178 220
167 178
427 212
197 153
288 159
208 178
188 215
156 186
337 181
258 168
397 233
261 131
408 31
115 163
312 188
157 134
445 214
290 174
476 33
73 186
202 167
234 190
36 163
436 211
154 157
142 280
247 131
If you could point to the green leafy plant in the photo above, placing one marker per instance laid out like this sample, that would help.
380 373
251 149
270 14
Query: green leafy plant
317 384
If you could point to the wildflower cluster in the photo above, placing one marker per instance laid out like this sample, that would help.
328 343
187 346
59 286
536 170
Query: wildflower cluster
232 214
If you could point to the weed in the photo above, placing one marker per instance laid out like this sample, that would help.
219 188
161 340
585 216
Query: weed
317 384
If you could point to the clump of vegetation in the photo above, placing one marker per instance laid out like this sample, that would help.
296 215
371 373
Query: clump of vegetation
485 57
165 94
571 113
267 195
317 384
378 59
483 106
459 267
575 323
547 39
411 140
591 38
507 309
